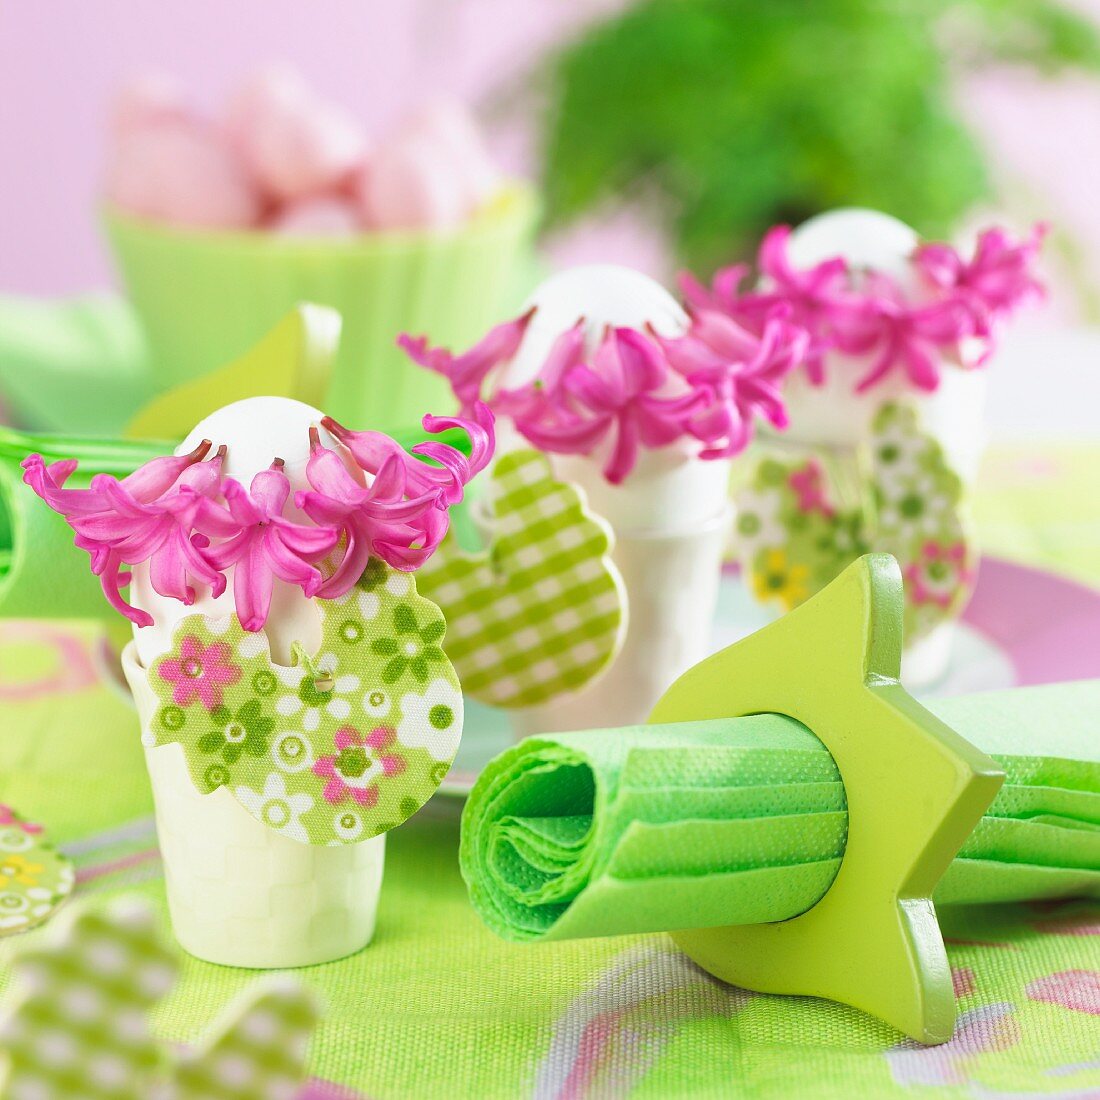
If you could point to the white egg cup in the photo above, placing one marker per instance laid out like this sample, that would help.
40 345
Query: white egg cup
242 894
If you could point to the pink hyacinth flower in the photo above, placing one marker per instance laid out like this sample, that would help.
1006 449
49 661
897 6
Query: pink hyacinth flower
467 372
722 296
266 545
742 372
543 399
376 520
371 450
900 336
619 394
997 279
146 516
199 672
817 296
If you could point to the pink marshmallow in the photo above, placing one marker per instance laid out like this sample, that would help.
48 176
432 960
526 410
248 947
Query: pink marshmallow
182 172
324 216
410 185
150 98
452 124
294 143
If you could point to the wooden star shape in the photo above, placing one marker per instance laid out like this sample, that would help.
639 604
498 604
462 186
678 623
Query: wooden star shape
915 791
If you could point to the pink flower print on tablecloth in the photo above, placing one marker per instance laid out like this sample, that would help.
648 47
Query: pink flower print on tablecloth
1077 990
359 763
199 672
984 1029
808 483
938 574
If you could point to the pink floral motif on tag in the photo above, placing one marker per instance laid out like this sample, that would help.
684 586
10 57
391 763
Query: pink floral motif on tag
200 672
359 763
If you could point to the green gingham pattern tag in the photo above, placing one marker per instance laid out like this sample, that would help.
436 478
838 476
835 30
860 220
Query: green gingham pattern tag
259 1053
80 1026
541 612
336 748
801 523
34 878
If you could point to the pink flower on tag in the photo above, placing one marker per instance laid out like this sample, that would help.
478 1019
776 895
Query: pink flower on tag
8 817
358 764
808 483
199 672
938 574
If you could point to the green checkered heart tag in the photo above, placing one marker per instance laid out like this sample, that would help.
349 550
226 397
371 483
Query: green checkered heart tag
801 522
541 612
80 1025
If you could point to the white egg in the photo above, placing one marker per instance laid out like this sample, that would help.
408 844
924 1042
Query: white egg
603 294
867 239
256 431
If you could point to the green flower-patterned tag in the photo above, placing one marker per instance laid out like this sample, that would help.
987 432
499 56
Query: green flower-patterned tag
541 612
338 747
801 523
34 878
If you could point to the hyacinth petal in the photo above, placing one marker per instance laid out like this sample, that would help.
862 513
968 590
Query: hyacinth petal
112 580
643 368
311 543
370 450
624 454
357 552
468 371
331 479
580 436
168 575
269 492
286 563
158 475
595 390
253 584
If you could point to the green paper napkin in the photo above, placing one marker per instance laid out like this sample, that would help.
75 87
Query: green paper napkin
73 365
42 574
659 828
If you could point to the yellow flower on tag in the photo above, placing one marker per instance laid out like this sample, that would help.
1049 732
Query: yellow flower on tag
16 868
779 580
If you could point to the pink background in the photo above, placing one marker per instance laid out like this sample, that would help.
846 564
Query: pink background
60 62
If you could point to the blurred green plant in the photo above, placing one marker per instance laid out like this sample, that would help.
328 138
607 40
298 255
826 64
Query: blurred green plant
732 115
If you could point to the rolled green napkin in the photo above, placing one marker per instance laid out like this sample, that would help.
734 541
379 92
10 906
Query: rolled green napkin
744 820
42 574
73 364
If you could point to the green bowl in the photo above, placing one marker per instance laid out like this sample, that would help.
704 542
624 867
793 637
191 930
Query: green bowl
205 298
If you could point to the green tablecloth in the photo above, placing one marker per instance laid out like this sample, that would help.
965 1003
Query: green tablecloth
438 1006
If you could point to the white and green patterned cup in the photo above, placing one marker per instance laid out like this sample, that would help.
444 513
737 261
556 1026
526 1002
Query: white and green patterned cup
242 894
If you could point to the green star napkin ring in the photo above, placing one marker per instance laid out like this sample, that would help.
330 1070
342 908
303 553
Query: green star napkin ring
804 728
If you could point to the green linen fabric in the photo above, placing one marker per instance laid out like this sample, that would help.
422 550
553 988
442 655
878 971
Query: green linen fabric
439 1006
